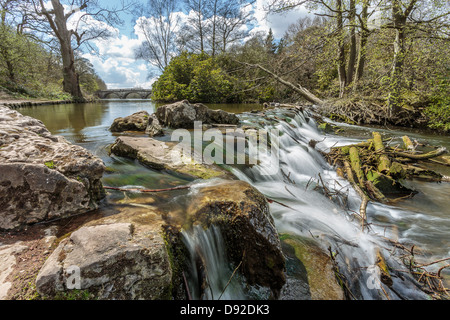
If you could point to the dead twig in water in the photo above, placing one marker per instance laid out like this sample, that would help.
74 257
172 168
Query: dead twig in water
147 190
232 275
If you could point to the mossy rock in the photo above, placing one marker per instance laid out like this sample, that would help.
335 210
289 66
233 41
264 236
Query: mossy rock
315 264
160 155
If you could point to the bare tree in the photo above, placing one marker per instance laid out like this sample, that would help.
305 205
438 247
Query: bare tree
73 23
157 22
230 24
198 22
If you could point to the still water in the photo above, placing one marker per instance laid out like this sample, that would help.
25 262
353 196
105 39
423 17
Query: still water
423 221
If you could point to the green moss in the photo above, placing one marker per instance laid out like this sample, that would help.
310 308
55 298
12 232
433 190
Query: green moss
50 164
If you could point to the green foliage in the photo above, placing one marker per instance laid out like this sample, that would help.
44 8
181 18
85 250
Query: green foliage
30 70
439 109
196 77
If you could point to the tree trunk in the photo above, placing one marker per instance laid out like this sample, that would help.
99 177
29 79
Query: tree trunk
352 53
58 23
364 35
397 73
200 30
71 83
214 29
399 18
341 48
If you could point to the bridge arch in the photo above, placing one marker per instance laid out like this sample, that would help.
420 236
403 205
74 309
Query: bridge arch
111 95
132 95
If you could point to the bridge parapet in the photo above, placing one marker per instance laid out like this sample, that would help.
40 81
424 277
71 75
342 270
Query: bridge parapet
123 93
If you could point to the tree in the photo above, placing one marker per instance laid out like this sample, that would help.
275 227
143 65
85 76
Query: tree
158 27
404 18
74 24
198 22
196 77
270 45
230 24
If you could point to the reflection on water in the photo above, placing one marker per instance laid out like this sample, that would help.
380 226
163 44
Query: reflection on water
84 123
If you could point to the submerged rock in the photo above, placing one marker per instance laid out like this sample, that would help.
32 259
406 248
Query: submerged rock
182 114
43 177
161 155
118 257
138 121
310 271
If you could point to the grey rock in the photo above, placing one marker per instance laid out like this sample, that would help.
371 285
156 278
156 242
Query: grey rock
182 114
160 155
138 121
118 257
43 176
154 128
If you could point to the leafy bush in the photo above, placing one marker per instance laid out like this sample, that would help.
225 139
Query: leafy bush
196 77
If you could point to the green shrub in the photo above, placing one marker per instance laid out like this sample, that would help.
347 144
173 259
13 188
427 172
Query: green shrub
195 77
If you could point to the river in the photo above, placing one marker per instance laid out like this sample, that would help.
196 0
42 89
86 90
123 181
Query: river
422 221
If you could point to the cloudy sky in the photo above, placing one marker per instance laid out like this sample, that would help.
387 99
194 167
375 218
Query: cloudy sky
114 60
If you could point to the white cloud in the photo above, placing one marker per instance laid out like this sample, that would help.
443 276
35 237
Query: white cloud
278 22
115 62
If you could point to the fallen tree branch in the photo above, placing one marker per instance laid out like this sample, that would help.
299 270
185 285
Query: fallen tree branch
305 93
431 154
364 197
147 190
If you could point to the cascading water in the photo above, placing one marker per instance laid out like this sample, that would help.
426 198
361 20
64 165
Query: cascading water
210 276
301 208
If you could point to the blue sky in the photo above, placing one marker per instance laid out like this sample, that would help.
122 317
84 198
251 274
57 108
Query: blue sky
115 63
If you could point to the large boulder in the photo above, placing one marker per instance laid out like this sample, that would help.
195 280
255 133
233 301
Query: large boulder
182 114
160 155
43 177
122 256
138 121
242 213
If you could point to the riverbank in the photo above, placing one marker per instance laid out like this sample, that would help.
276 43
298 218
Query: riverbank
8 100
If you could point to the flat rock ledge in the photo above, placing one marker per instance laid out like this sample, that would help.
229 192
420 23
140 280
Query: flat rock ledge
160 155
121 257
42 176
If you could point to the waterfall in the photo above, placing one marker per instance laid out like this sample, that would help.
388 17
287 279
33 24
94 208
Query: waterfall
308 212
210 276
313 202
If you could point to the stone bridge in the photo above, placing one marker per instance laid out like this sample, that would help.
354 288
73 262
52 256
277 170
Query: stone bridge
124 94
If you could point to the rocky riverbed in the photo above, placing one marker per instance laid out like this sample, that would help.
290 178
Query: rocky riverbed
54 239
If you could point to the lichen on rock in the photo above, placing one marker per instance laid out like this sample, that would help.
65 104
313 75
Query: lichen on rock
43 176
